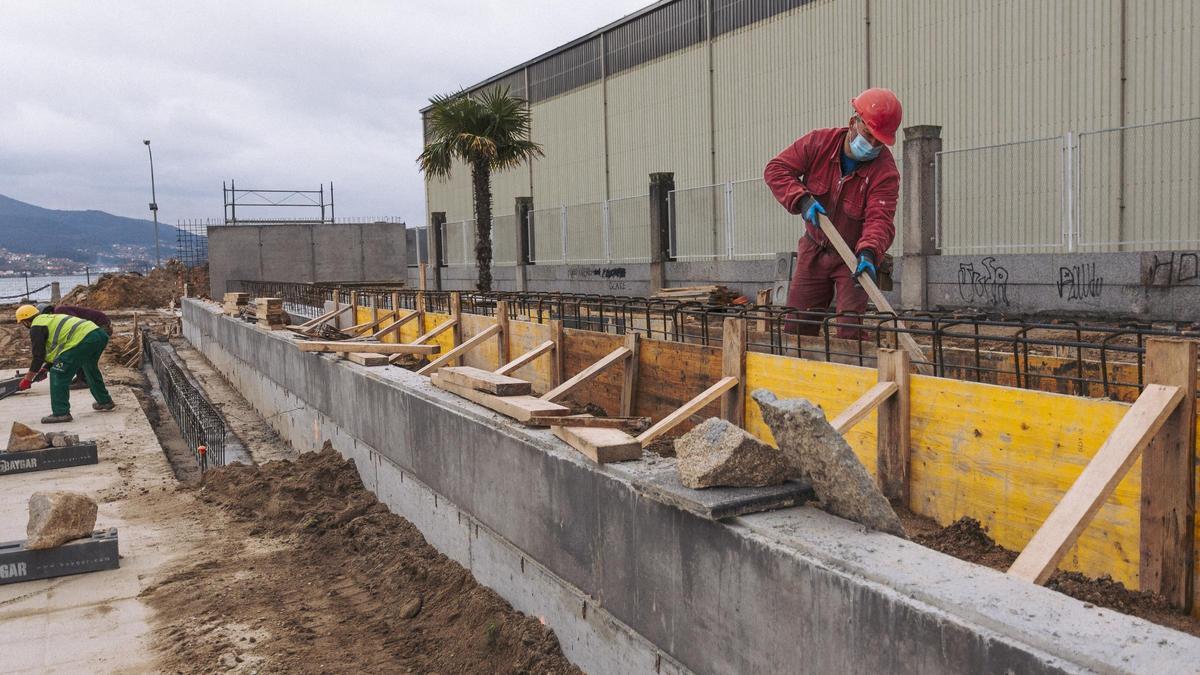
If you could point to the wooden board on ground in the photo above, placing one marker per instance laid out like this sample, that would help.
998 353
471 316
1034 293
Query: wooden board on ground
520 408
600 445
660 481
366 347
1097 481
627 423
483 380
371 360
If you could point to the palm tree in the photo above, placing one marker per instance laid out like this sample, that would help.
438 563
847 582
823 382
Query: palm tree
489 132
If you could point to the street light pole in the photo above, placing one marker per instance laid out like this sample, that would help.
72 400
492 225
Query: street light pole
154 206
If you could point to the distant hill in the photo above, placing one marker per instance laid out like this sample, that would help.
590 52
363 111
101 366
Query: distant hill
83 236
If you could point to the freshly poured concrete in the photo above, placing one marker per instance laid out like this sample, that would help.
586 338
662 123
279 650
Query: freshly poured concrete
622 576
87 623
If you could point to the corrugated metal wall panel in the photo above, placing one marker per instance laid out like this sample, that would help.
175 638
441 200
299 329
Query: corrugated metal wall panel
666 30
995 73
657 122
570 129
781 78
453 196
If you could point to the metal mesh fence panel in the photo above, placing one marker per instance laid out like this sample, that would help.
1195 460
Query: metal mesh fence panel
546 228
629 229
460 239
585 232
700 217
1004 198
762 227
504 240
1138 188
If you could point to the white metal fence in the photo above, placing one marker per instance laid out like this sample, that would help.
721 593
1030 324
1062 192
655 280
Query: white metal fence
736 220
616 230
1131 188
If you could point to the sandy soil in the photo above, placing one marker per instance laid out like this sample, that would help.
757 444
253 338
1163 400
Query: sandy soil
315 575
967 540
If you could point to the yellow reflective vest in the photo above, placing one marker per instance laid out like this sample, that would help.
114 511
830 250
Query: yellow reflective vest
65 332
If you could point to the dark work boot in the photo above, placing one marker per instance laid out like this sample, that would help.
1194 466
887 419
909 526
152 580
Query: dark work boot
55 419
104 407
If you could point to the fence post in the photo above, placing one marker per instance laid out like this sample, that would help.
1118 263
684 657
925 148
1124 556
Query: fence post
1069 190
563 222
437 227
1168 504
920 189
607 231
661 186
523 206
55 292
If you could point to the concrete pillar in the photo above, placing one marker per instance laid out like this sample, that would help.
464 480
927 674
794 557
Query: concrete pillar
919 188
55 292
437 229
661 185
524 242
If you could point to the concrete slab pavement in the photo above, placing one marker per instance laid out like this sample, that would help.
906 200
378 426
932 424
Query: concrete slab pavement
93 622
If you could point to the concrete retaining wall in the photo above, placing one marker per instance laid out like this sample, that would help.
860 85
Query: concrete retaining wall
297 252
634 585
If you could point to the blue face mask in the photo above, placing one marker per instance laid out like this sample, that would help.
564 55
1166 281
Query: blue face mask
862 151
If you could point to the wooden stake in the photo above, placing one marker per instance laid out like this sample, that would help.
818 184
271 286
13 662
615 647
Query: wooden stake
630 381
434 332
892 430
395 325
687 410
1097 481
353 307
560 348
733 364
476 340
421 311
1168 507
421 276
503 338
456 314
586 374
526 358
761 298
863 406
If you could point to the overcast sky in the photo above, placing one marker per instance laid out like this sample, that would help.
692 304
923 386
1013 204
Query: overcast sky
271 94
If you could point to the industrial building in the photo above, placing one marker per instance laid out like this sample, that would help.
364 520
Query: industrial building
1064 128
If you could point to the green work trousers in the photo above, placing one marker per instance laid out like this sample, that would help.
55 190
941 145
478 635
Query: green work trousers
85 357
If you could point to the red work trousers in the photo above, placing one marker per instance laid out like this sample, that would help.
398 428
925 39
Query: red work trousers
820 273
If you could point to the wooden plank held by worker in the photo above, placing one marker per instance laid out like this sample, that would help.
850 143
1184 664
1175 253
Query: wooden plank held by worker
1099 478
881 303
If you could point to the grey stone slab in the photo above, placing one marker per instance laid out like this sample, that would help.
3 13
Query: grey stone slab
659 480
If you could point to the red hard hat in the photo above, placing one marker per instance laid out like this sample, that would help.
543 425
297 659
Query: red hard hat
880 109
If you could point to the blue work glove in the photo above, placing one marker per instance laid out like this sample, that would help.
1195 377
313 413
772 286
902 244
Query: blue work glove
809 208
866 263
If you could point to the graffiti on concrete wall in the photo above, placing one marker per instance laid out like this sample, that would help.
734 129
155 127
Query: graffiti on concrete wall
988 282
596 272
1080 282
1170 269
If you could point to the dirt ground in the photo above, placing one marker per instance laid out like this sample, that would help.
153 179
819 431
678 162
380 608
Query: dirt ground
315 575
966 539
162 287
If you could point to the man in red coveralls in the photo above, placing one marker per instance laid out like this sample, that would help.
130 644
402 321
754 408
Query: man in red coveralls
848 174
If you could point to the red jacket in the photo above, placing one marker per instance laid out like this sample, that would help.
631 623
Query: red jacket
861 205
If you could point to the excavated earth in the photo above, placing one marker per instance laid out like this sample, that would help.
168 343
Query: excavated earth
315 575
966 539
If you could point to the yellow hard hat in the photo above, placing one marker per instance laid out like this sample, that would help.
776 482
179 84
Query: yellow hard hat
26 312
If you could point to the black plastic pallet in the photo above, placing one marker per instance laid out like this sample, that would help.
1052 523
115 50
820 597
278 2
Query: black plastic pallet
48 458
91 554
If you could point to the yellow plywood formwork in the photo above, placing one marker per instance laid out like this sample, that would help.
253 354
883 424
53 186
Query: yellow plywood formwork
833 387
1002 456
524 336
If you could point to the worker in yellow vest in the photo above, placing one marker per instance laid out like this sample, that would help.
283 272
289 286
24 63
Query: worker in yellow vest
65 344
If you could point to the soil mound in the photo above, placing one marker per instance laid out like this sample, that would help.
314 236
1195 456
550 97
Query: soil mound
321 577
132 290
